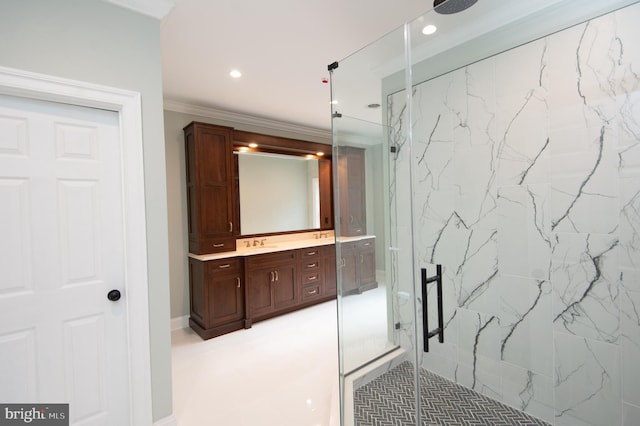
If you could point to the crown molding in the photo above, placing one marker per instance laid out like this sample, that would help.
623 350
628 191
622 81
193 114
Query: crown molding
155 8
250 120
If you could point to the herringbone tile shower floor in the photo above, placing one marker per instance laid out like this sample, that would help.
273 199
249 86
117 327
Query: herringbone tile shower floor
388 401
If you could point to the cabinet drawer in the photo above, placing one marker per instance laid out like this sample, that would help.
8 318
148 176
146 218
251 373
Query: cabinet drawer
212 245
368 244
311 264
311 292
231 265
311 277
310 252
270 259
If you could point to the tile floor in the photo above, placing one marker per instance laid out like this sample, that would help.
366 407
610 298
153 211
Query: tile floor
281 372
389 401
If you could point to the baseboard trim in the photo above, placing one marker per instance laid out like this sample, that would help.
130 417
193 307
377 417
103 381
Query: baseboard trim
167 421
178 323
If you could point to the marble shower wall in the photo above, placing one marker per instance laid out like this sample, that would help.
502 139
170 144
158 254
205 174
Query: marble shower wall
527 190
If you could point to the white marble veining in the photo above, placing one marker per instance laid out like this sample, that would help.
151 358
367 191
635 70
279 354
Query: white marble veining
526 188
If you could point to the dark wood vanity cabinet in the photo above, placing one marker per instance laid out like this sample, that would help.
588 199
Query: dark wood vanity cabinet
216 296
229 294
358 265
284 281
233 293
351 179
271 284
211 193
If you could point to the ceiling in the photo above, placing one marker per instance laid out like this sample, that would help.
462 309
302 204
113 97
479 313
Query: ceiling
283 47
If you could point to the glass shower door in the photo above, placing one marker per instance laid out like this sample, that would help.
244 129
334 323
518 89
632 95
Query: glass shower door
379 357
471 128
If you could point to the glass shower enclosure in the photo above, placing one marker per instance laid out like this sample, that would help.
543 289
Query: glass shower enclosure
487 190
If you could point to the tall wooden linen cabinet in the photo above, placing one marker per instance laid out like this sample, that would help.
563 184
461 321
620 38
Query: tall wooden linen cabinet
213 220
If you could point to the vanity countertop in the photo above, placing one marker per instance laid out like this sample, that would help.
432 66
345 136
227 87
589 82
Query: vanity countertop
246 247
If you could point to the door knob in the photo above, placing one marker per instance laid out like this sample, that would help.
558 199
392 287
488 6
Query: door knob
114 295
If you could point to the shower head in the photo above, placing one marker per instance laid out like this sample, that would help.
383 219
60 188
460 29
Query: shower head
448 7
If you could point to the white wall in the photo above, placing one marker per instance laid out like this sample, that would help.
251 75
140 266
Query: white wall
96 42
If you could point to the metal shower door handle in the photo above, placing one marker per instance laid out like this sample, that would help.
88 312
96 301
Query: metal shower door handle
426 334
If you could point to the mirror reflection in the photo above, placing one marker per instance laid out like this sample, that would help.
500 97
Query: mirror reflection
278 193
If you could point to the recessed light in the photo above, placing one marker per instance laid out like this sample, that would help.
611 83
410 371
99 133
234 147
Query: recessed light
310 156
253 145
243 149
429 29
319 153
235 74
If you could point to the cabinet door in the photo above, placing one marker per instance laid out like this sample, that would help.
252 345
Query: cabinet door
350 265
329 264
260 282
225 299
214 150
285 292
355 192
351 180
367 267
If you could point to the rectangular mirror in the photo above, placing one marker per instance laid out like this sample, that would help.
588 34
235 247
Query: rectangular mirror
278 193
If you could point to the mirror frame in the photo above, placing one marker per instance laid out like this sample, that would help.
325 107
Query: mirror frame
293 147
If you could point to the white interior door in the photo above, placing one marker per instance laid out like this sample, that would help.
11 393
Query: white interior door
61 252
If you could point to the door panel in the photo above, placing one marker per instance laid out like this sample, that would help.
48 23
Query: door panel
260 282
285 287
225 300
62 250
